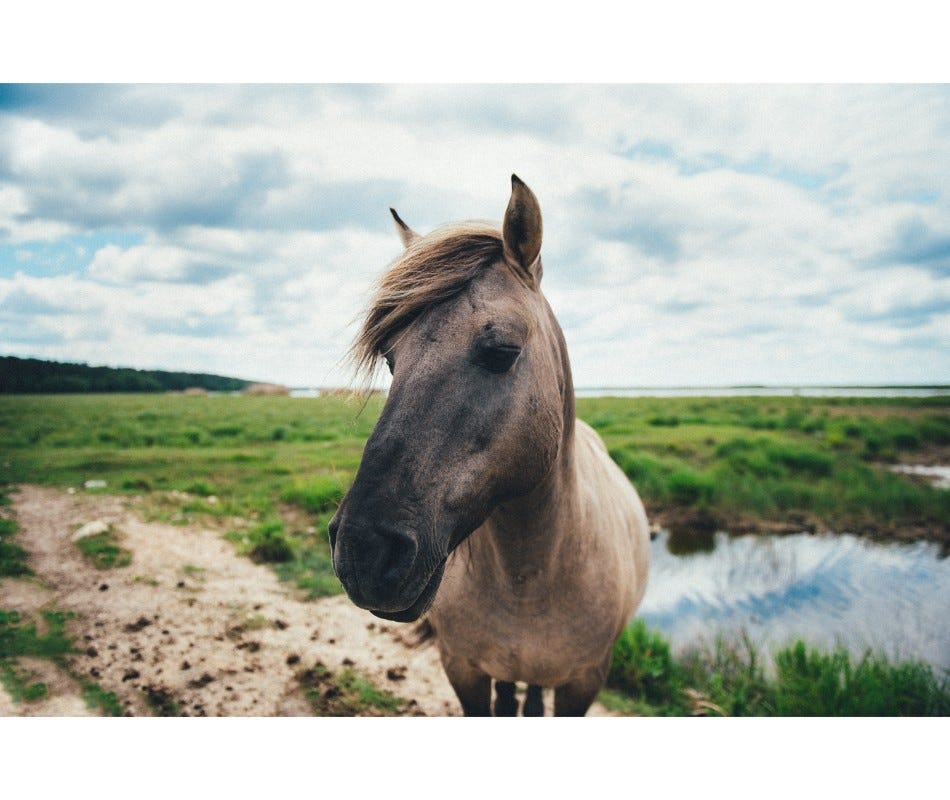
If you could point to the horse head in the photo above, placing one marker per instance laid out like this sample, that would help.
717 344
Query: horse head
479 408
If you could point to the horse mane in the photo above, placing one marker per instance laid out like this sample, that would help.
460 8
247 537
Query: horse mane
432 269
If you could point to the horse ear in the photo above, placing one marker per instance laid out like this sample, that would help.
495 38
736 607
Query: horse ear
407 234
521 230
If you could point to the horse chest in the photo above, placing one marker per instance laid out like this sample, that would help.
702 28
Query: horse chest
527 630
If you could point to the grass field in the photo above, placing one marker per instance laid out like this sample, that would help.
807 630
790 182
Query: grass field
739 462
269 472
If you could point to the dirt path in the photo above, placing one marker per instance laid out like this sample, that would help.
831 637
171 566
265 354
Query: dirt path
192 626
191 621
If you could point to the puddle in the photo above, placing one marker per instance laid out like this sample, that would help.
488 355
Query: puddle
826 589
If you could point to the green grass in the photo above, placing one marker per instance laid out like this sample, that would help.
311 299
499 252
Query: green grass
270 471
780 459
318 495
99 699
258 457
282 464
104 550
19 637
810 683
346 694
730 679
20 685
312 572
12 556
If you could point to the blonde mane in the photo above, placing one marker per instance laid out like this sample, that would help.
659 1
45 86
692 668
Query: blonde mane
433 268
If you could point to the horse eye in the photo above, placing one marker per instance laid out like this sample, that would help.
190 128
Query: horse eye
498 358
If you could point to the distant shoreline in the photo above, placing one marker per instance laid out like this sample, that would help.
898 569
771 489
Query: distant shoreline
763 391
722 391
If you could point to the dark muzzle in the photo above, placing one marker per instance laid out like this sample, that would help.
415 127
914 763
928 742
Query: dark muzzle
380 567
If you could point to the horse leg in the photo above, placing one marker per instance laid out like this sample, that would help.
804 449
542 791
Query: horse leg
533 703
505 703
574 698
472 687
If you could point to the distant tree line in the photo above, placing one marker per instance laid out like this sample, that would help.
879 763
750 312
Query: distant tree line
33 376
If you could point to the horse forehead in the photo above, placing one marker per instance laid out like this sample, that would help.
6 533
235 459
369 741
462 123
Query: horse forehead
496 301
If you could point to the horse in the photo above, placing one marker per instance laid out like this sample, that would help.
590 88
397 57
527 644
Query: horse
480 500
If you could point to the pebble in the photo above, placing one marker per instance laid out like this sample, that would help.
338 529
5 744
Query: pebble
93 528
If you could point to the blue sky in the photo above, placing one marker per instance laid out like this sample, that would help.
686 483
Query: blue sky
694 234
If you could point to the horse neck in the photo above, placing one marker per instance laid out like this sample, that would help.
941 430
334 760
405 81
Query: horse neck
530 532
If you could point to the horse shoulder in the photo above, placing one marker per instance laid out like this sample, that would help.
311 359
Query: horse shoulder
613 513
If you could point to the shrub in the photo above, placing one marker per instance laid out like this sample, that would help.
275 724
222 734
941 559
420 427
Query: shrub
227 430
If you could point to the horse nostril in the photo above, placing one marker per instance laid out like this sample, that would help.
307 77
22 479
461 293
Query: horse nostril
395 555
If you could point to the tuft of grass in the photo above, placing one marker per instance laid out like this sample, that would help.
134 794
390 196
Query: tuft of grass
312 572
98 698
317 495
346 694
19 638
194 572
270 546
642 665
19 684
12 556
690 487
104 551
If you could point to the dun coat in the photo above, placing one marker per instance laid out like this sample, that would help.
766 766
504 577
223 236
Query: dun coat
481 501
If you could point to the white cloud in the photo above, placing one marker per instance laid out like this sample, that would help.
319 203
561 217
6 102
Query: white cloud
142 263
693 234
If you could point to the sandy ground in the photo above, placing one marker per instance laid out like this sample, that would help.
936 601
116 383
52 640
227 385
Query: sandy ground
191 622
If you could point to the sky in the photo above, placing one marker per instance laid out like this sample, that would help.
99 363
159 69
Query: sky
694 235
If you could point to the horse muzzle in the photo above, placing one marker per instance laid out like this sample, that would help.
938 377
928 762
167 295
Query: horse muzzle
382 569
